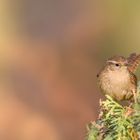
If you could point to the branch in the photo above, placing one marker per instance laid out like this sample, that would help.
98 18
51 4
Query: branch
115 121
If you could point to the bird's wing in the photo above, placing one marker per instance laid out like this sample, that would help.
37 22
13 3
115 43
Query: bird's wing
133 62
133 78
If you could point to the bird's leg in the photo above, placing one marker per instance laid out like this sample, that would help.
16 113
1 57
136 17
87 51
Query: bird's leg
129 111
134 95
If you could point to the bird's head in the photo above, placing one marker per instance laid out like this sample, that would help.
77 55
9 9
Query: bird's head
117 63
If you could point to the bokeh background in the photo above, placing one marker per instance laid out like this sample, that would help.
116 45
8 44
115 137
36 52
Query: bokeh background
50 53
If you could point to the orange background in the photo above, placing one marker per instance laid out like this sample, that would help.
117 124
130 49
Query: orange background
50 54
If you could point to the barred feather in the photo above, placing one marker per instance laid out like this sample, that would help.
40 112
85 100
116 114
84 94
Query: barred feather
133 62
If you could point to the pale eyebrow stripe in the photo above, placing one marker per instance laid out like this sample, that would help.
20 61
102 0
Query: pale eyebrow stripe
111 61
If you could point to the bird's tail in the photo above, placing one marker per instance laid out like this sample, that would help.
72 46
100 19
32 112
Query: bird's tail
133 62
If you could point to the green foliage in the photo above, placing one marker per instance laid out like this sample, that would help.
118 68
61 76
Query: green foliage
93 131
116 122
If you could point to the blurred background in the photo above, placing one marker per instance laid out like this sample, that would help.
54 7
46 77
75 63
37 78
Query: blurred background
50 53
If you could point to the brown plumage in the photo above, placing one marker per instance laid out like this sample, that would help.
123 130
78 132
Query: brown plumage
133 62
117 77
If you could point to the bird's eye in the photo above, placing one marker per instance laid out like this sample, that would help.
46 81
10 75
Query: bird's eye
117 65
97 75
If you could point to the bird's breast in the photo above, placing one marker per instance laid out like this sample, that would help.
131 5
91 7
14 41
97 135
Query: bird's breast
118 78
115 83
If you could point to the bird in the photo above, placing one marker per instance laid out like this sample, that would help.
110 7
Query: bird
117 78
